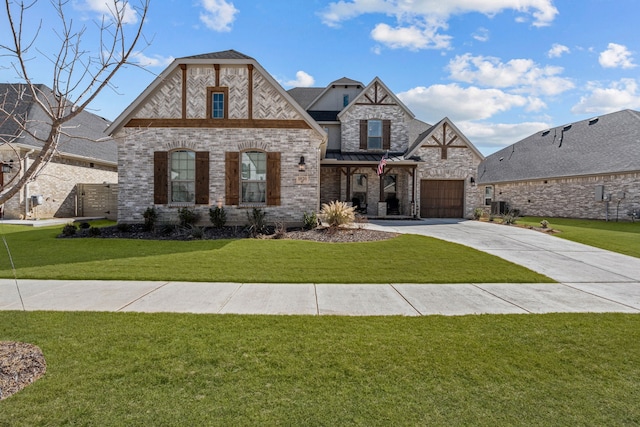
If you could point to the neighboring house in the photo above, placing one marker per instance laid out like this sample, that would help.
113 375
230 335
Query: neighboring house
587 169
79 159
217 130
429 169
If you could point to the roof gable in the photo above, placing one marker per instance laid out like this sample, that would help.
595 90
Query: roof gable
444 133
376 93
605 144
344 82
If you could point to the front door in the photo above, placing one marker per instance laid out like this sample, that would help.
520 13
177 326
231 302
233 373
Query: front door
441 199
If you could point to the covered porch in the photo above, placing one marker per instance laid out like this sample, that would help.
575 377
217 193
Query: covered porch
353 178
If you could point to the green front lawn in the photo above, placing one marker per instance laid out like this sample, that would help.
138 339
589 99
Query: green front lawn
114 369
37 254
621 237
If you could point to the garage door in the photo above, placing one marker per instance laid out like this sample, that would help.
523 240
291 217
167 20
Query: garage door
441 199
98 200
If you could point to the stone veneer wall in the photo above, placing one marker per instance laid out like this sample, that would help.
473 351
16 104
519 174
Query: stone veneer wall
573 197
57 185
351 125
135 154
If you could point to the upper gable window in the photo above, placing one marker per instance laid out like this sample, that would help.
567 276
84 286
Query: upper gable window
374 134
345 100
217 102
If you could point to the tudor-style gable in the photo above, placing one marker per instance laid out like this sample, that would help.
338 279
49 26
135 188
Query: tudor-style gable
375 121
442 142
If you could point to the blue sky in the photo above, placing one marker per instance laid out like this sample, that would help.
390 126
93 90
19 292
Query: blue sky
500 69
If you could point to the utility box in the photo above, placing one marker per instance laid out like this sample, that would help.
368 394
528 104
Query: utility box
37 200
599 192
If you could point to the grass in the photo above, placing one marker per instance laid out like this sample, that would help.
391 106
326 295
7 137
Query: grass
37 254
173 369
621 237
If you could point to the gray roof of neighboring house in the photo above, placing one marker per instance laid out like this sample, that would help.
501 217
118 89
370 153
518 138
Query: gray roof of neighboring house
304 96
601 145
85 129
225 54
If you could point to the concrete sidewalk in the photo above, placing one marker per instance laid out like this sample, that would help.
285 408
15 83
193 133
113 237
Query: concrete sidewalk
318 299
592 280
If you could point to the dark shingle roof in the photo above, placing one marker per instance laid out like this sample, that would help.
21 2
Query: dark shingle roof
304 96
606 144
324 116
84 129
225 54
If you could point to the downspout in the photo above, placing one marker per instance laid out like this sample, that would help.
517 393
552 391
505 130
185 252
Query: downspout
26 185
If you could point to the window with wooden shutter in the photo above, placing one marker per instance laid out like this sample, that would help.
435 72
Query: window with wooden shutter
232 178
160 177
363 134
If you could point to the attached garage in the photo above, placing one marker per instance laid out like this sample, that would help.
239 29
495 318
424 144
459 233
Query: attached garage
441 198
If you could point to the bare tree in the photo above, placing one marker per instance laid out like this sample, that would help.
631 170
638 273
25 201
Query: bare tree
78 75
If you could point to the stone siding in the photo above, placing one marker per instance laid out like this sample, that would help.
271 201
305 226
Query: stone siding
573 197
165 101
350 121
57 184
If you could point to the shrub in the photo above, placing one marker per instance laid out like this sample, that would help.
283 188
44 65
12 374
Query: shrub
338 213
309 220
477 213
218 217
69 230
84 225
197 232
510 217
544 223
280 231
187 217
256 221
123 227
150 218
94 232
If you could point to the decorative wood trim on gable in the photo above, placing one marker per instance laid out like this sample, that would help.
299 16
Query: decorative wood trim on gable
444 145
219 123
217 68
250 91
377 98
183 67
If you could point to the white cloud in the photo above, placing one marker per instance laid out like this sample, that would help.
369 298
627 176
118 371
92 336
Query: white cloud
108 8
418 23
412 38
616 56
619 95
521 75
482 35
490 137
151 61
458 103
302 80
218 15
557 50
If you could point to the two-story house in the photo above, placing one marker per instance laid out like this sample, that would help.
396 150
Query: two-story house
429 170
217 129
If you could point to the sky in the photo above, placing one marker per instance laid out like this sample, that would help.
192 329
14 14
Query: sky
501 70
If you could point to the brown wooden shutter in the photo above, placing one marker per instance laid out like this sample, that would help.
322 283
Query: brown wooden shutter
273 179
363 134
160 177
202 178
386 134
232 178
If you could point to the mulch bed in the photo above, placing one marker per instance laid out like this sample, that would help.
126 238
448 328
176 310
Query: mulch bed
20 365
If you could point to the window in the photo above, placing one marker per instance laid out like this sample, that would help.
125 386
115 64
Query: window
183 176
359 191
345 100
374 134
217 102
488 195
254 177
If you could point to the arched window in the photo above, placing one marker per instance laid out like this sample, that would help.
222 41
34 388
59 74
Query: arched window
182 176
253 177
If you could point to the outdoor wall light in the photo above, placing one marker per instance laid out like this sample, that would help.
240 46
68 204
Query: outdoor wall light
472 180
301 165
7 167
